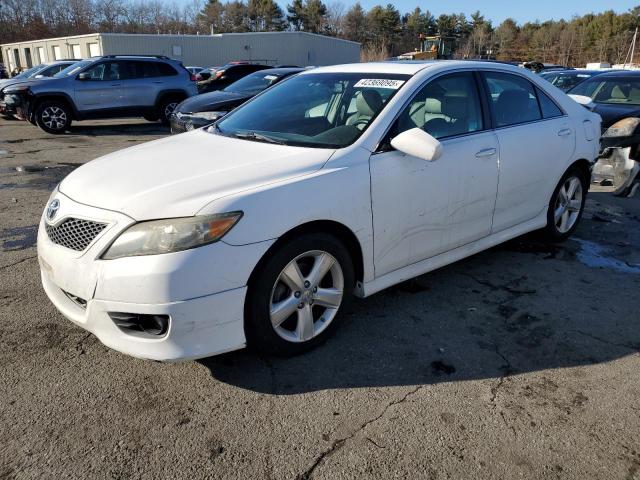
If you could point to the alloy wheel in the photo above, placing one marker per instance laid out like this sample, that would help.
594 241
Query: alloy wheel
306 296
54 117
568 204
169 108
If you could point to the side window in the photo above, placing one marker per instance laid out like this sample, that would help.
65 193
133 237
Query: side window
446 106
513 99
107 71
96 72
165 70
142 69
548 106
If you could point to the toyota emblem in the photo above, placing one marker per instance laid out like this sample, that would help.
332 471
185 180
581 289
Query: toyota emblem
52 209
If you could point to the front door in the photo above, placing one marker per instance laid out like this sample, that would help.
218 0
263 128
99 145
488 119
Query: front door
420 208
102 88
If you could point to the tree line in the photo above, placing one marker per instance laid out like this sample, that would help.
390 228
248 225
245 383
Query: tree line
383 30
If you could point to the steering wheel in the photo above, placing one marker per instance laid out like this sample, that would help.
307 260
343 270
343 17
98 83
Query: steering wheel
362 122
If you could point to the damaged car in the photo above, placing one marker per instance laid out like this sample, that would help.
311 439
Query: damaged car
615 97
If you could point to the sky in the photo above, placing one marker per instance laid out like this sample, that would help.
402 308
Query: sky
497 10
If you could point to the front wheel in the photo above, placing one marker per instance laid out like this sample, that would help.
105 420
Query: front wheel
295 301
166 109
53 117
566 205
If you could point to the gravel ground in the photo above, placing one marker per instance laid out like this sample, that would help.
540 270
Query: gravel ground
520 362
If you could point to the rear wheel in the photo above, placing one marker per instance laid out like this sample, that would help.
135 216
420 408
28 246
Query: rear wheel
53 117
294 302
566 205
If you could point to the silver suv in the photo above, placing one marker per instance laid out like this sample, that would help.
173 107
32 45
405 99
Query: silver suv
104 87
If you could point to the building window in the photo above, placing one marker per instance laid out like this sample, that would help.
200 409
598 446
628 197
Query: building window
75 51
42 55
94 49
57 53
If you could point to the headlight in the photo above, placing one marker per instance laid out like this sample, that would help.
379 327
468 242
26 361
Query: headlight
209 115
171 235
623 128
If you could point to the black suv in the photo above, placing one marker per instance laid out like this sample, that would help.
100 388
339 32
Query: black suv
228 74
103 87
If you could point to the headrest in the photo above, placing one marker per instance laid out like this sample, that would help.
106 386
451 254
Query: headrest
433 106
368 103
616 92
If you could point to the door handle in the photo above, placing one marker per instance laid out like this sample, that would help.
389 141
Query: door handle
564 132
159 83
487 152
116 84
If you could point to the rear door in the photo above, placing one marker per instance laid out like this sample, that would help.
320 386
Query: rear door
103 88
536 140
147 78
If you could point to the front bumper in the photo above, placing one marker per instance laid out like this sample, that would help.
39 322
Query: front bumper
15 104
202 290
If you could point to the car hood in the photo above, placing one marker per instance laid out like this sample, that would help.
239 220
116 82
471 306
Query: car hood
27 82
212 101
177 176
611 113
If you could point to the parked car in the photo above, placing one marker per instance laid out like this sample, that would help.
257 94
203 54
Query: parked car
228 74
195 71
565 80
616 98
3 72
345 179
104 87
203 109
206 73
45 70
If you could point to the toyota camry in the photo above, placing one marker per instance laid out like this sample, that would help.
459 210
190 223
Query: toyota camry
341 181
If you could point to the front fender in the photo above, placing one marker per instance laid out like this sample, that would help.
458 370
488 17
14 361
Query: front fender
339 192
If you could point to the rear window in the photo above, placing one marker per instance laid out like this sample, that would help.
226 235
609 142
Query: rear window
513 99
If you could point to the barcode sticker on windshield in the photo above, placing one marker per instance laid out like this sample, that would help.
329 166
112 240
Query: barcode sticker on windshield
379 83
270 77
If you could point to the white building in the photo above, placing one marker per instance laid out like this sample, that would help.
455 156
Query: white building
271 48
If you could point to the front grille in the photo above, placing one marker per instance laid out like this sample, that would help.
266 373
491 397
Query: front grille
74 233
179 125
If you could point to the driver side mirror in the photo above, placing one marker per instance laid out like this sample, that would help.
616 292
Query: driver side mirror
84 76
418 143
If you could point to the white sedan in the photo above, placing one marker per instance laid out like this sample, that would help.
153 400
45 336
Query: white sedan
340 181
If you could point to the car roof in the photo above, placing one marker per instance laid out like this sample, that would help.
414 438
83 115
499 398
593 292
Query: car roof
280 71
621 73
410 67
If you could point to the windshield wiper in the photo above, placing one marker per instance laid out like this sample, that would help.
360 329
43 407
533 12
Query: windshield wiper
258 137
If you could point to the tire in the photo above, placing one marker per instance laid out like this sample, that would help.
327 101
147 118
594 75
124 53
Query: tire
53 116
166 108
564 214
289 334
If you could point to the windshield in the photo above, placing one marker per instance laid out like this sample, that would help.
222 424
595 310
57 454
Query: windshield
566 81
28 73
73 68
254 83
624 90
324 110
